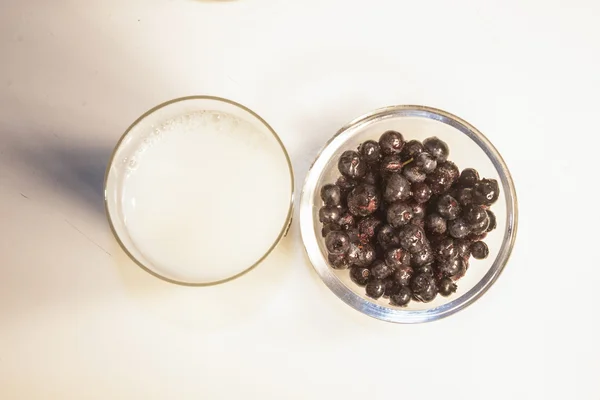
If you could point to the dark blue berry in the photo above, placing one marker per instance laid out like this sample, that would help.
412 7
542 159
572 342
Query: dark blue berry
370 151
422 258
424 287
390 165
480 250
352 165
464 196
330 227
360 275
338 261
450 267
426 162
412 238
446 287
411 149
394 257
380 270
391 142
421 192
363 200
368 227
402 298
403 275
435 223
486 192
481 226
468 177
329 214
414 174
445 249
346 221
361 254
437 148
448 207
474 214
399 214
458 228
331 195
397 188
337 242
375 289
387 237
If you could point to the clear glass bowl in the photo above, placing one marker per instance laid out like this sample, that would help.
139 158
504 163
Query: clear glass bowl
152 130
468 148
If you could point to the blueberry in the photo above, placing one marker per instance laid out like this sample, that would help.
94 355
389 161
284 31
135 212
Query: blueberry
338 261
346 221
368 226
464 248
387 237
360 275
370 151
425 269
426 162
445 249
450 169
437 148
421 192
390 164
337 242
424 287
354 235
446 287
394 257
480 227
414 173
345 184
375 289
468 177
418 221
361 254
418 209
330 227
352 165
439 181
380 270
399 214
371 177
363 200
422 258
391 287
448 207
435 223
464 196
474 214
412 238
403 275
391 142
331 195
397 188
458 228
480 250
450 267
402 298
329 214
486 192
411 149
492 218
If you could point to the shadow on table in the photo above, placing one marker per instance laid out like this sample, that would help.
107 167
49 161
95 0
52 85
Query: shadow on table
74 169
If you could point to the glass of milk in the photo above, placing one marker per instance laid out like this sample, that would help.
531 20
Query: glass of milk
199 190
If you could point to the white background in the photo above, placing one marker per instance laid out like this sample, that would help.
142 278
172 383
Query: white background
80 321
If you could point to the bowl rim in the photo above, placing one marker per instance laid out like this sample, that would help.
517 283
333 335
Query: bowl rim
282 233
394 314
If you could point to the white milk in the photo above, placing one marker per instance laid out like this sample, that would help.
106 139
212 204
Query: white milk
206 197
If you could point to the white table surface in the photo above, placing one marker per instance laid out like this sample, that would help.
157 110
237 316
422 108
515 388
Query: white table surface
78 320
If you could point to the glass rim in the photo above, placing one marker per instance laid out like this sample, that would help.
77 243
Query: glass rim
397 315
282 233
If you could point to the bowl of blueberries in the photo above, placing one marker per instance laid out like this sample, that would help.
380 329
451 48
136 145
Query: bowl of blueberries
408 214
